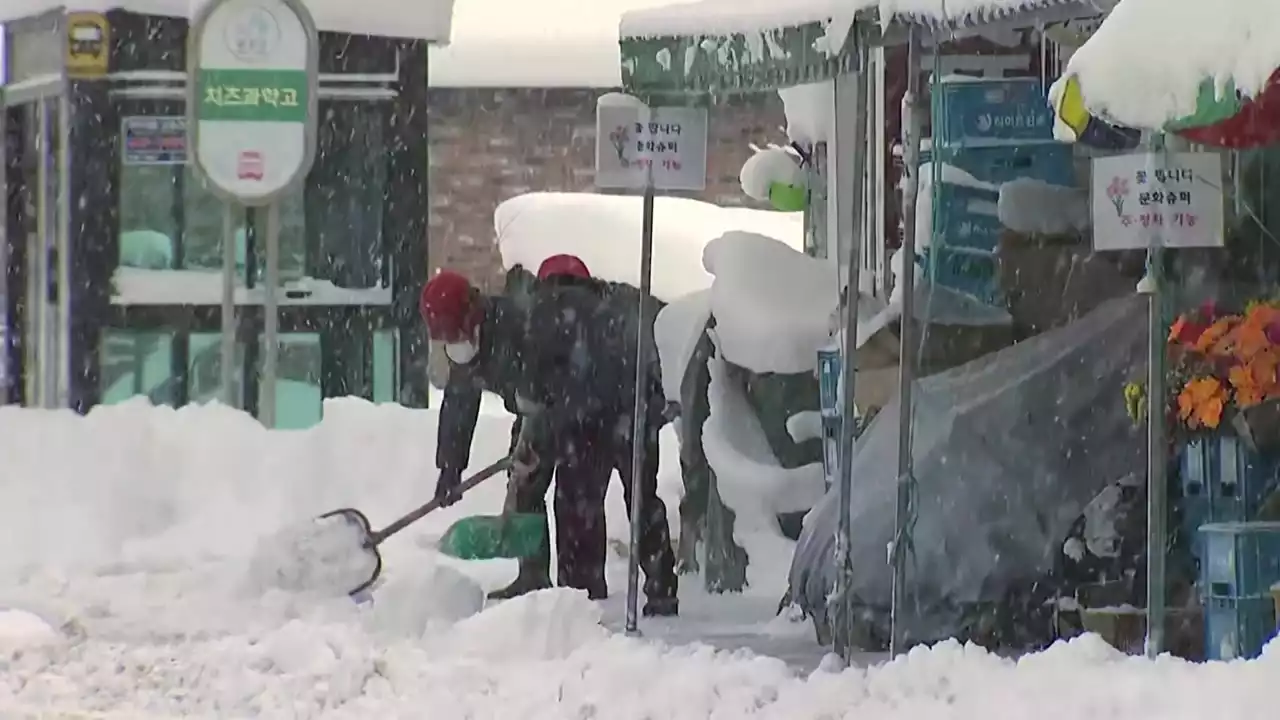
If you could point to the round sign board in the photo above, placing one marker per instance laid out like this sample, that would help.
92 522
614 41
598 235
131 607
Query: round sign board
252 74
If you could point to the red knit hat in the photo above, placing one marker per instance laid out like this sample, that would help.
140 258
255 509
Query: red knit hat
449 307
571 265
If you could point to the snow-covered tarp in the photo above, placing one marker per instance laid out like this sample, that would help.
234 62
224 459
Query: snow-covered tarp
414 19
1145 64
604 230
1009 449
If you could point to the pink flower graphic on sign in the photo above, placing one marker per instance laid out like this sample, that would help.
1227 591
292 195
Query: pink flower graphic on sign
620 138
1117 191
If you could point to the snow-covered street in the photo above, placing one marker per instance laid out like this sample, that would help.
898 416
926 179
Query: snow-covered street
128 580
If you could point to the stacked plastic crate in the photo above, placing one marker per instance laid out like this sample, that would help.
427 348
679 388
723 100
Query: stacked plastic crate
995 130
1224 485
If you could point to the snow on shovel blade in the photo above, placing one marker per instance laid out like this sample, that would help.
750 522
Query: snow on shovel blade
324 556
364 541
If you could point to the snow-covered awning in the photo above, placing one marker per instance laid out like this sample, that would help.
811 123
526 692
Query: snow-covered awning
410 19
751 45
1155 64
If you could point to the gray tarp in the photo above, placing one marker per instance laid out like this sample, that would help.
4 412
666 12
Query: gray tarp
1009 449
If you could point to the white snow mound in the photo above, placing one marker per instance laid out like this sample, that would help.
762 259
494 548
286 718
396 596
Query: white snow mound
604 230
20 630
544 625
769 166
772 303
323 556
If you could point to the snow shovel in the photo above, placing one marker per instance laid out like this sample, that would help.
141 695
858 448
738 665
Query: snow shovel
374 538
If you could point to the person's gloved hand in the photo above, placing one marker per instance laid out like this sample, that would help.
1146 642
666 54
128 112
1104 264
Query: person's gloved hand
447 492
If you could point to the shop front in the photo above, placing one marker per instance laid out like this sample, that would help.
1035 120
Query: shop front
113 246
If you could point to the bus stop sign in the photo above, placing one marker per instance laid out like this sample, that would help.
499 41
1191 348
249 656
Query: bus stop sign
251 97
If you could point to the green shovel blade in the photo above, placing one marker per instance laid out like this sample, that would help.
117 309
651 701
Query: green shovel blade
492 537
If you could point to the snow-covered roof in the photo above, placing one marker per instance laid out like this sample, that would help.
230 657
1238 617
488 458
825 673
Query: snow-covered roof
417 19
1144 65
728 17
520 43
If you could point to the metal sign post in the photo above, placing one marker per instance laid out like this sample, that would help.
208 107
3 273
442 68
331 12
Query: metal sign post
1126 218
252 86
648 149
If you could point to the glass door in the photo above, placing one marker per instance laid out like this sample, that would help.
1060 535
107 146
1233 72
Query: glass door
37 328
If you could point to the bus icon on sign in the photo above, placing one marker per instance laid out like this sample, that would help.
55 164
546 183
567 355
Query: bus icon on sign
249 166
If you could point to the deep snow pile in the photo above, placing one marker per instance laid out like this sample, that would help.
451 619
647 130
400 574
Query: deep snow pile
125 592
604 230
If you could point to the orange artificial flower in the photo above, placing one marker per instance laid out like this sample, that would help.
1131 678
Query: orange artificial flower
1201 403
1211 341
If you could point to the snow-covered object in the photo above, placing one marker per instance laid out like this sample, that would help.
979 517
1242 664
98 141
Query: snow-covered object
748 476
604 230
1167 49
411 19
676 332
1009 449
410 604
503 44
804 426
545 625
1031 206
771 302
924 197
767 167
811 111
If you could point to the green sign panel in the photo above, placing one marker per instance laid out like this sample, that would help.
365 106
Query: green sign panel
253 95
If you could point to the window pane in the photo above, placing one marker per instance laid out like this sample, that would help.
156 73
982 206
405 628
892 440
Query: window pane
385 385
137 363
205 368
299 401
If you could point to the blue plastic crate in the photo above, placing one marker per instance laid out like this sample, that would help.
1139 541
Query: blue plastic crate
966 217
1237 628
1052 163
1239 560
1223 481
967 271
983 112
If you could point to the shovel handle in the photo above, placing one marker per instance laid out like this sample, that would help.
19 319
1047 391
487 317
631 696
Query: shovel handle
434 504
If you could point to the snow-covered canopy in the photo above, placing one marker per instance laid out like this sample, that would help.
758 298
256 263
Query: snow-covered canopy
416 19
518 43
604 230
728 17
1144 65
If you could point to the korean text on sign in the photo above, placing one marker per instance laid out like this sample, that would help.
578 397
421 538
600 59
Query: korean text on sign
224 95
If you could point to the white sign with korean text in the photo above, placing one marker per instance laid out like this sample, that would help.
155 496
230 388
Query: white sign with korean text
631 140
1174 199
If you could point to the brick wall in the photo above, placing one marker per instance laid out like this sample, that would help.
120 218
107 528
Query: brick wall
488 145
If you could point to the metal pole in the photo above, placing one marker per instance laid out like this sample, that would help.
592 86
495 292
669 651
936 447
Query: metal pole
227 370
1157 487
271 320
855 162
639 428
906 347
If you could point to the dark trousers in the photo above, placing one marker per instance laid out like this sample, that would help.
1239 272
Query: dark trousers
588 458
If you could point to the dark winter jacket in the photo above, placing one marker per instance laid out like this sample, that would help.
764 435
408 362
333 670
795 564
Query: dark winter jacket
581 352
496 368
